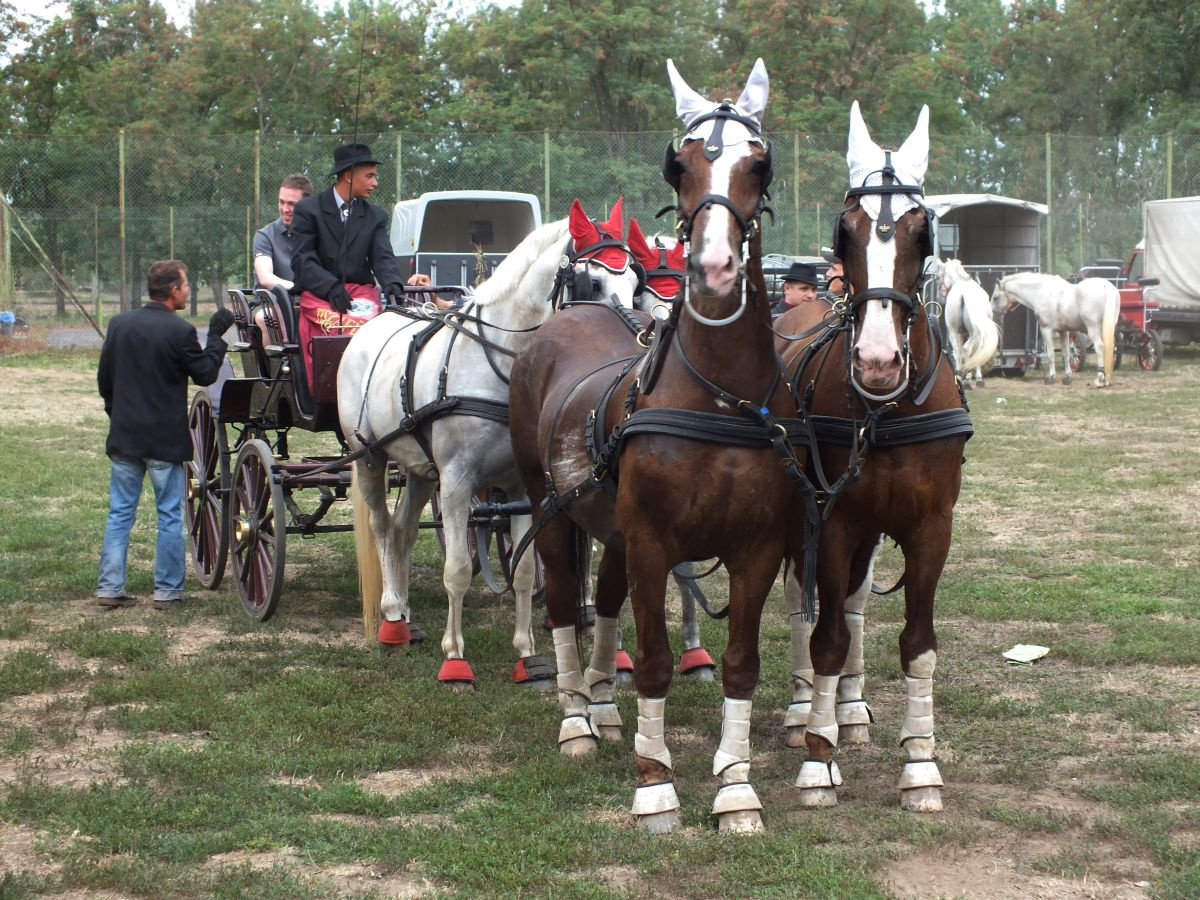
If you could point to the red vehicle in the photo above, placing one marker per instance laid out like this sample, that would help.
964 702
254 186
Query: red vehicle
1136 334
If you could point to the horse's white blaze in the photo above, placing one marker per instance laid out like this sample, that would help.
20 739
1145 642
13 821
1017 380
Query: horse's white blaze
877 351
716 251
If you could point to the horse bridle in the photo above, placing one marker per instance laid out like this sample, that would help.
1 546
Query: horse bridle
581 286
750 227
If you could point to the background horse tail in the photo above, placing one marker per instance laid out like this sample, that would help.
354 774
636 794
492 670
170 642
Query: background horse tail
983 334
1108 328
370 571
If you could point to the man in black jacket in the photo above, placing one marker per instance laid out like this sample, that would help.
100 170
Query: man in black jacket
341 250
147 358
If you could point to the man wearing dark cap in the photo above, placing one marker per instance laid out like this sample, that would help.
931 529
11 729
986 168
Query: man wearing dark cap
799 286
341 250
835 278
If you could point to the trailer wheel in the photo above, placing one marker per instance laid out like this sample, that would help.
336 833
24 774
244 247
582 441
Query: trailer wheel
257 529
207 474
1150 351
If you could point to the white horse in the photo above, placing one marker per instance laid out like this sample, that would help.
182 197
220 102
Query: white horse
465 449
974 334
1092 305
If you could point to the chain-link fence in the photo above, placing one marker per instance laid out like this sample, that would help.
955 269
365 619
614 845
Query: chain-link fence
100 208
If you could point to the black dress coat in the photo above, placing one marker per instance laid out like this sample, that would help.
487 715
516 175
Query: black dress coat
148 356
319 261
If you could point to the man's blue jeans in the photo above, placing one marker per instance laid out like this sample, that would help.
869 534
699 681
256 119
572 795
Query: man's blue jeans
125 488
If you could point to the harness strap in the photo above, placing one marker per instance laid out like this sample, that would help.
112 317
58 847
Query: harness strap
916 429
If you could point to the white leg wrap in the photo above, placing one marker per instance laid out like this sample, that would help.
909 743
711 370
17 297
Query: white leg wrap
650 799
822 720
920 773
572 692
649 742
918 721
817 774
732 761
601 674
851 708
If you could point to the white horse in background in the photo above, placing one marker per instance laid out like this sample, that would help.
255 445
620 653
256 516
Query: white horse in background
1092 305
466 449
974 334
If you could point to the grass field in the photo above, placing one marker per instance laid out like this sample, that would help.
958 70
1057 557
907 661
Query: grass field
197 753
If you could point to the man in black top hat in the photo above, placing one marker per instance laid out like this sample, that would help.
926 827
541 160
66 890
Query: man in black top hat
799 286
341 250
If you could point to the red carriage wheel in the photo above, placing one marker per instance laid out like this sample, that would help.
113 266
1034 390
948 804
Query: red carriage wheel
257 529
1150 351
1078 342
207 474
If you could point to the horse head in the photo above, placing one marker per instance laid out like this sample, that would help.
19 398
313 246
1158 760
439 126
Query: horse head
663 265
602 268
1002 302
883 236
720 173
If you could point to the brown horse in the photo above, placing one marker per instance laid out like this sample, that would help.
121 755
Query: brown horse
668 456
890 424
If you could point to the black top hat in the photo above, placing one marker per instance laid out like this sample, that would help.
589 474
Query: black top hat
349 155
805 273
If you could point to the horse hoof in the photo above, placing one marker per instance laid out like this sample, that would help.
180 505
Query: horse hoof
921 800
535 672
980 383
967 385
853 735
456 674
660 823
1049 379
697 664
795 737
745 821
624 666
818 797
393 636
609 732
1066 379
579 746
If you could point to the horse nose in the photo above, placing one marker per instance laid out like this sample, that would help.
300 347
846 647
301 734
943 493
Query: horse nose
878 365
714 267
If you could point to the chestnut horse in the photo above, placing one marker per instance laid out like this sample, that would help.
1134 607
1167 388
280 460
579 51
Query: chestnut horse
890 423
668 456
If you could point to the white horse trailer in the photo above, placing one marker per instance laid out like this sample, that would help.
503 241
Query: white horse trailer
994 236
444 234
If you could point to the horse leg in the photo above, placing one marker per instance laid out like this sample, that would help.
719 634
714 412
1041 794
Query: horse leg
531 670
1096 336
390 533
1066 352
1048 340
853 714
801 673
695 661
655 803
819 774
956 344
924 557
601 674
457 572
737 806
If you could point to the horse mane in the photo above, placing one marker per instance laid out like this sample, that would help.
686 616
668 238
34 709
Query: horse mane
1028 278
956 269
510 274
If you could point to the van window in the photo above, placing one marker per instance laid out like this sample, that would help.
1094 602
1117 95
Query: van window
458 226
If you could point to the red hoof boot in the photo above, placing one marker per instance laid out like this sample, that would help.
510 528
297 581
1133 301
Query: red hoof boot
624 663
534 671
694 660
456 671
394 634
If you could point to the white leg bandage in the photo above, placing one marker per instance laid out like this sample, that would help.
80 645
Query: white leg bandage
851 708
572 692
601 673
822 720
732 760
916 735
649 741
801 675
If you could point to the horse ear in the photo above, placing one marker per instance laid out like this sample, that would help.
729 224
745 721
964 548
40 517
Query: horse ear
688 104
616 220
860 148
675 258
638 246
583 230
915 150
753 102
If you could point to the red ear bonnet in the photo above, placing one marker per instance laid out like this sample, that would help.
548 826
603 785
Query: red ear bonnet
587 234
664 267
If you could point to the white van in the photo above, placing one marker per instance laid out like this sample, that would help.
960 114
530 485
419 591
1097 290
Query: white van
441 233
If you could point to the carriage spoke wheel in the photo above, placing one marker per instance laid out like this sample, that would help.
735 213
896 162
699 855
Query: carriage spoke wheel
1077 358
1150 351
257 529
207 474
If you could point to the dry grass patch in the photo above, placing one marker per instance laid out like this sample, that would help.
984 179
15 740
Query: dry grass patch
353 878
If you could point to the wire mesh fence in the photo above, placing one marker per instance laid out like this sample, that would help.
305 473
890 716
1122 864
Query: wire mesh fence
101 208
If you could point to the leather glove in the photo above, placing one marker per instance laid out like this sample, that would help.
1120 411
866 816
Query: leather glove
220 321
395 294
339 298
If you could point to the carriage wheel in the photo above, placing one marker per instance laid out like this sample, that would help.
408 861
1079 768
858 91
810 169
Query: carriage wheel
1078 343
1150 351
257 529
207 475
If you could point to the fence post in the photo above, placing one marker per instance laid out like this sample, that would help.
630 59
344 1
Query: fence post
1170 162
399 166
249 240
5 258
545 174
96 264
123 304
818 228
1049 213
257 176
796 184
171 232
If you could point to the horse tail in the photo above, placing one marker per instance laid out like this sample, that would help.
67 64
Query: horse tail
370 570
983 334
1108 333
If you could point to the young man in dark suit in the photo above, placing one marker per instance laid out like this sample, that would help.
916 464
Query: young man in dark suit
148 356
341 250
